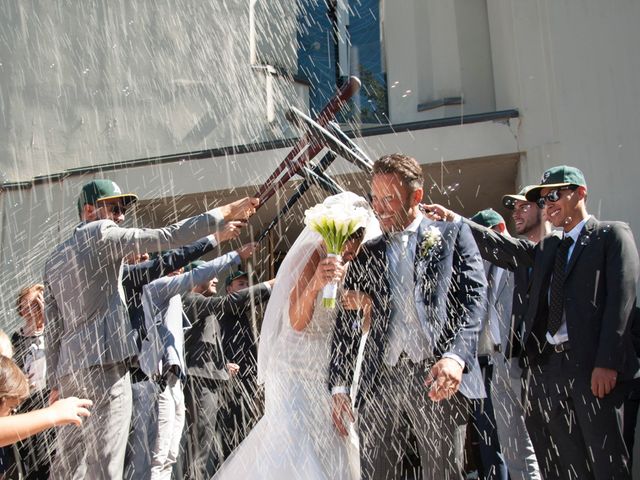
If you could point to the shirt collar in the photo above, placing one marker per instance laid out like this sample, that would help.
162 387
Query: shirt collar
415 224
574 233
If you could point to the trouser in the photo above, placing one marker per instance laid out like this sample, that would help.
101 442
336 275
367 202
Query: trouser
171 415
241 409
400 404
515 442
204 442
97 449
585 430
485 434
144 424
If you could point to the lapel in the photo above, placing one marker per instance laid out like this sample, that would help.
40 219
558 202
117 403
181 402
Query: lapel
421 261
548 258
588 228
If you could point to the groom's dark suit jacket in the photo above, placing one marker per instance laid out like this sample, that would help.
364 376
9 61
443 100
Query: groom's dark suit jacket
600 293
449 280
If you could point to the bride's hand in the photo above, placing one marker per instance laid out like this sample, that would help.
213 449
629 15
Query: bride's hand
329 270
352 300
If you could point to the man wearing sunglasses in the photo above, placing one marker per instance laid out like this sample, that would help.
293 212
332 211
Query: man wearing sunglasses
90 340
576 335
577 327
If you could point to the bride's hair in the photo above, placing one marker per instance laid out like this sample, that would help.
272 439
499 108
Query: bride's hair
358 234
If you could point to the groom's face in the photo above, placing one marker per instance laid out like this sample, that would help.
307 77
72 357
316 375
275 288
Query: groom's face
392 201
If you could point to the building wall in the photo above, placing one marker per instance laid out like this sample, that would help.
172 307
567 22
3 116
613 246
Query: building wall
92 82
571 68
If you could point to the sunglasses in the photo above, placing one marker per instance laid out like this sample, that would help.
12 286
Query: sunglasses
115 208
554 195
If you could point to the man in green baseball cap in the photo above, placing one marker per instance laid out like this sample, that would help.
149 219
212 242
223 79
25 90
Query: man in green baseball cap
527 217
103 199
91 342
491 219
236 281
558 178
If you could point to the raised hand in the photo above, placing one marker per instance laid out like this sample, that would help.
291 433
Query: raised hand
330 269
438 212
444 379
240 209
246 250
69 410
230 231
233 369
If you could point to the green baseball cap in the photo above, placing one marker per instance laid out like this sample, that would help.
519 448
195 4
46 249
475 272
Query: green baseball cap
488 218
100 190
561 176
232 276
509 201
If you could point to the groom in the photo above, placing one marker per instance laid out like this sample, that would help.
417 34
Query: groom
426 282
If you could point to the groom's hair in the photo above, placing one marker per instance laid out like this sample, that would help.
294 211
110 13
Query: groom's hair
406 167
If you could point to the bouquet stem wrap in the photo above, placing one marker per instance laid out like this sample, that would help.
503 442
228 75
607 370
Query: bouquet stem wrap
330 290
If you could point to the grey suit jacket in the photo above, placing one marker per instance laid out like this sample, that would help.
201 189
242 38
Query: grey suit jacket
87 320
499 301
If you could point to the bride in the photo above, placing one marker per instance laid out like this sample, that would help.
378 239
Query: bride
296 437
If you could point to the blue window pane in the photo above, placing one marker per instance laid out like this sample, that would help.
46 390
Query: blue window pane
318 57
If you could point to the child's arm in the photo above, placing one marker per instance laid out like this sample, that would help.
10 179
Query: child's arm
18 427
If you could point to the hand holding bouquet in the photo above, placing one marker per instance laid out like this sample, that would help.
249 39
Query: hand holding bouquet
335 221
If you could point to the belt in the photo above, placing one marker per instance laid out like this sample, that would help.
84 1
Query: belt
560 347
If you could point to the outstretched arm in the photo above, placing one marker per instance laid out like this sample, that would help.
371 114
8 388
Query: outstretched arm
501 250
234 303
18 427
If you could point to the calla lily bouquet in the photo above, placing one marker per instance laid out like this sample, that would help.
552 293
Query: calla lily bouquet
335 221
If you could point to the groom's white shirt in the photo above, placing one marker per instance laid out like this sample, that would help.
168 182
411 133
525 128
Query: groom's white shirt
405 330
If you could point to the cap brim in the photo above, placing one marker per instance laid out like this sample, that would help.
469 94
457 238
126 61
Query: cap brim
507 200
533 195
127 198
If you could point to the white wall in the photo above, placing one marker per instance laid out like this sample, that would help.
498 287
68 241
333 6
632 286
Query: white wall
92 82
572 68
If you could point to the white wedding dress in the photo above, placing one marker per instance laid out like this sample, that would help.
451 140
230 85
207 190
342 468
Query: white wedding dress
296 438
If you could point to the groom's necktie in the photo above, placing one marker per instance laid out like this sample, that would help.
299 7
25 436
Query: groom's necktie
556 302
405 332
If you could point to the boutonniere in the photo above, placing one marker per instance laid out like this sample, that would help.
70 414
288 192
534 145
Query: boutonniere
432 237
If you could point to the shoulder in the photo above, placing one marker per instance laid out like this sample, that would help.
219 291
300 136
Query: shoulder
611 232
604 227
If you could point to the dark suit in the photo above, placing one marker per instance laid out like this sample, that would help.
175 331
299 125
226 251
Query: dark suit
134 278
599 295
450 283
208 379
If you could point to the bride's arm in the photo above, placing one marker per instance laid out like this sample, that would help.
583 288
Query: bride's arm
316 274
